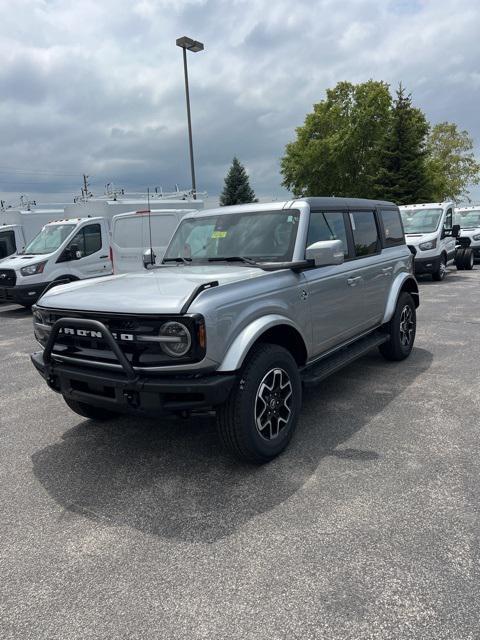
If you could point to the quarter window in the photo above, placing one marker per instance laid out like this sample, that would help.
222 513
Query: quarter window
327 226
392 227
365 233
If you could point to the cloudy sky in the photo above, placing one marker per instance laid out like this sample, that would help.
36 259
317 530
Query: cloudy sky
97 86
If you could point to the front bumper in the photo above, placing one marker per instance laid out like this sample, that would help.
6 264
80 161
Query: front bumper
148 395
25 295
426 265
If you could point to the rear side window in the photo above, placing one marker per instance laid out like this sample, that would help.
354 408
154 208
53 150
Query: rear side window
392 227
365 233
327 226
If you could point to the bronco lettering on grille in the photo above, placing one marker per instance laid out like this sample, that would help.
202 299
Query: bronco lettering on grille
88 333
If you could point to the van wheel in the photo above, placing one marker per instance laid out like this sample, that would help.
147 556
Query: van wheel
468 259
258 420
459 256
89 411
401 329
441 272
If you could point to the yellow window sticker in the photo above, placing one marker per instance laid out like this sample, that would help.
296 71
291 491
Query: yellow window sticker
219 234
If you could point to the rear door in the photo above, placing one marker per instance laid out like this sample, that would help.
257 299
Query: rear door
373 266
93 244
335 293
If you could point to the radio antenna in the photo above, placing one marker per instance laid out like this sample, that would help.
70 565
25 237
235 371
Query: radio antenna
152 256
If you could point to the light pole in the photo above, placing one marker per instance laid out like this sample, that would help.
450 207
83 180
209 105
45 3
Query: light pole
194 46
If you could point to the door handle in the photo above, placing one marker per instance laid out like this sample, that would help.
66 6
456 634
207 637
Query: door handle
103 257
352 282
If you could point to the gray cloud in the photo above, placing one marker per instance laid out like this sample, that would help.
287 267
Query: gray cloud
98 86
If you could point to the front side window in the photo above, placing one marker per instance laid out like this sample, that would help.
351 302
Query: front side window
134 232
7 243
327 226
88 240
421 220
448 220
262 236
392 227
365 233
50 238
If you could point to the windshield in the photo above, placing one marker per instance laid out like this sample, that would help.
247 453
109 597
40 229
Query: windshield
49 239
263 237
421 220
471 220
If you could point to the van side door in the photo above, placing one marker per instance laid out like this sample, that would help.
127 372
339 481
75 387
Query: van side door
92 244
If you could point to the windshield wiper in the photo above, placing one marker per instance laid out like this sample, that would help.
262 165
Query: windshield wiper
234 259
177 259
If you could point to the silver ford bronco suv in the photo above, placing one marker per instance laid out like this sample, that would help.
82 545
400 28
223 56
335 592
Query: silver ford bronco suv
249 304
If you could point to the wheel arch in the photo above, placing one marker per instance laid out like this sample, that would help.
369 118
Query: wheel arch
403 282
274 329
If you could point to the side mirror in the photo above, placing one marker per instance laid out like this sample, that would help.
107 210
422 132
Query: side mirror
456 230
149 259
325 252
73 252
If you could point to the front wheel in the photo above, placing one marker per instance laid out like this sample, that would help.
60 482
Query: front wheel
259 417
401 329
89 411
441 272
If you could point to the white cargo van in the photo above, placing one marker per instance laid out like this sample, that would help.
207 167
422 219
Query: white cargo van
131 237
64 250
430 229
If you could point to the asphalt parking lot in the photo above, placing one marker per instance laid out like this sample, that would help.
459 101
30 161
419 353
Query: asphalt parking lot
367 527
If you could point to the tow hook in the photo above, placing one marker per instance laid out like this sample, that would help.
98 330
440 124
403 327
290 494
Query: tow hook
132 398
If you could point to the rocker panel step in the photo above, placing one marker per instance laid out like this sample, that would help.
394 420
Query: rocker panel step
328 365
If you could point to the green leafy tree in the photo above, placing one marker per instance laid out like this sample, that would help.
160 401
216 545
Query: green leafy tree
451 163
336 150
237 188
403 176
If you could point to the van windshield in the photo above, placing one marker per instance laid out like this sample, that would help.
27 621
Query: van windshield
470 221
49 239
261 236
421 220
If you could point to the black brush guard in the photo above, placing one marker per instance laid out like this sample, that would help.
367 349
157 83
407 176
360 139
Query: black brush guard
123 389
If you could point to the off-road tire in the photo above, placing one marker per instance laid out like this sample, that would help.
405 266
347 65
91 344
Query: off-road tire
90 411
238 418
395 348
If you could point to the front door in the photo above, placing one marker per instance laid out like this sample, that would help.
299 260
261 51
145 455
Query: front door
335 293
93 251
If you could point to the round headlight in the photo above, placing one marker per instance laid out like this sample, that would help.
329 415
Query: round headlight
177 339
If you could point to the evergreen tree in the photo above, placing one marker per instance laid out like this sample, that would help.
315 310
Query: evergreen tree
403 176
237 188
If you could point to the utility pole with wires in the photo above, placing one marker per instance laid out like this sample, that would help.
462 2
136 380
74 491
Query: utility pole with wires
85 185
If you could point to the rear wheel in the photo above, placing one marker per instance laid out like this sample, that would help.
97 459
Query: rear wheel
459 256
468 259
259 417
401 329
89 411
441 271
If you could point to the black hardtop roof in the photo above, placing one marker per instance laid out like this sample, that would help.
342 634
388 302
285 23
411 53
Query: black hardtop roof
350 203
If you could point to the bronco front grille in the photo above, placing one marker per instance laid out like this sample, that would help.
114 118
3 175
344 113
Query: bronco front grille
8 278
90 347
